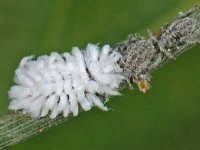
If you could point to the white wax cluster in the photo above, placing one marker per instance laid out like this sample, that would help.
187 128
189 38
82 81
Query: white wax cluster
63 83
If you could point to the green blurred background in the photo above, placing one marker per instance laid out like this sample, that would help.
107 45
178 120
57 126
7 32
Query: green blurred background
165 118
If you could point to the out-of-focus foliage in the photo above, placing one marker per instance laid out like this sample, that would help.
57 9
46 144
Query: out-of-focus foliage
166 117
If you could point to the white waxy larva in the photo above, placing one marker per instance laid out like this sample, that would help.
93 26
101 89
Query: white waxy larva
66 83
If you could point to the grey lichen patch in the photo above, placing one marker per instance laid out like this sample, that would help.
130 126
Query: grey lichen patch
138 54
141 56
184 31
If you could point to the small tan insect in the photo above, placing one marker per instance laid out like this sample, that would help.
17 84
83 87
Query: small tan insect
143 85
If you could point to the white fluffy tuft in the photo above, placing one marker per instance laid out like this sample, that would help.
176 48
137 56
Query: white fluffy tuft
62 83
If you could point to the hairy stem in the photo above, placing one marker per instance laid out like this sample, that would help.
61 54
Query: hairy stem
15 128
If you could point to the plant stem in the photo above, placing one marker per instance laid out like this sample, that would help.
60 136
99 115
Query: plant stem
15 128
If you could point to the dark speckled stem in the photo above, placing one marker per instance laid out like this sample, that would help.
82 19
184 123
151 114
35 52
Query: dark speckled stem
141 56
